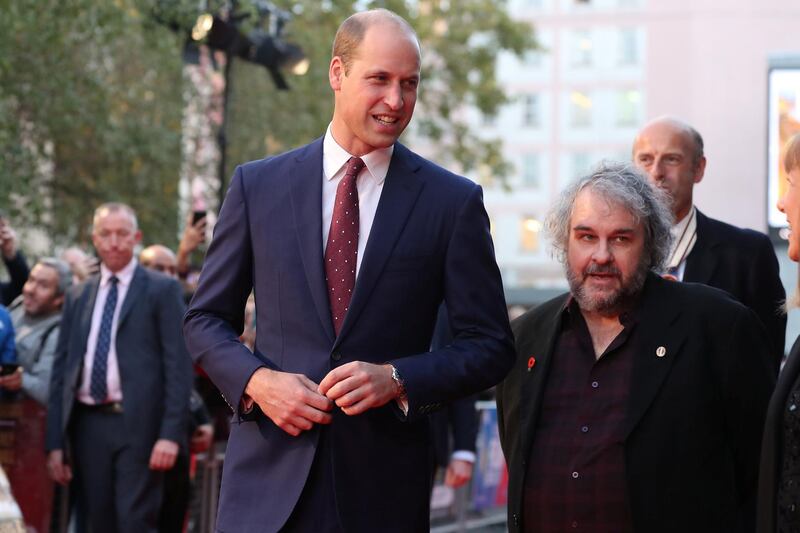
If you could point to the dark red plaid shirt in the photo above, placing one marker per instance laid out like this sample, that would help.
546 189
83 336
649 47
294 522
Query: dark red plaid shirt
575 480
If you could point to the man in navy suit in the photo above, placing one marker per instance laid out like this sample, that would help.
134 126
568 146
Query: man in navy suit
120 385
739 261
350 244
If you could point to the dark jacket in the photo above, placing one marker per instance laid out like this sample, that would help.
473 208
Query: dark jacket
694 419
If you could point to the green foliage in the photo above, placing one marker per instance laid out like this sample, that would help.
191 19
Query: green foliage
90 111
458 71
91 99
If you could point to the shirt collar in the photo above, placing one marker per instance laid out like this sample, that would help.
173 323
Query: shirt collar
124 276
679 227
334 158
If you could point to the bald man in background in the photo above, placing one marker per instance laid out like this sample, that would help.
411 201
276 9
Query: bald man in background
739 261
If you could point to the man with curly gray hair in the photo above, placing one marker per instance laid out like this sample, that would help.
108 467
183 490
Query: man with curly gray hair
635 402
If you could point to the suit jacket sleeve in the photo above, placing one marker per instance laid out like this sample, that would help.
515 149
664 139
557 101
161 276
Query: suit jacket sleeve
18 274
54 437
747 384
481 352
768 294
216 315
177 367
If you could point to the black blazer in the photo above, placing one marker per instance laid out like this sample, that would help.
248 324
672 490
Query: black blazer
743 263
695 415
771 446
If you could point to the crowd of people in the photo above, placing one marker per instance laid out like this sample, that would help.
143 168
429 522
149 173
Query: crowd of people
58 314
643 399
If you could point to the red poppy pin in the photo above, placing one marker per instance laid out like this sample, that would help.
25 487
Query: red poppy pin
531 362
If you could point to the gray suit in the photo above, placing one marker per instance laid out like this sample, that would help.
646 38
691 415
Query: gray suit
155 377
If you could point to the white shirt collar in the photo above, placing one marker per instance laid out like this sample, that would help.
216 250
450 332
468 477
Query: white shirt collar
334 158
679 227
124 276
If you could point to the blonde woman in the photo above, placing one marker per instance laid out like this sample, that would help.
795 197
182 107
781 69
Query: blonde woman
779 482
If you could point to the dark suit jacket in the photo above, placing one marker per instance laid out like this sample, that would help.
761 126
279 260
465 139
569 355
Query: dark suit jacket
772 445
155 370
455 426
694 419
743 263
430 241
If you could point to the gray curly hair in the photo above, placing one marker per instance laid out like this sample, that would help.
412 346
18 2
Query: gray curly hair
624 185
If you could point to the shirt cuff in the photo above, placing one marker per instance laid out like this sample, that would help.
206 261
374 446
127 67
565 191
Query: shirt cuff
246 404
463 455
403 405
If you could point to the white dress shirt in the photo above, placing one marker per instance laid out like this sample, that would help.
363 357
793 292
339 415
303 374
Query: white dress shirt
125 276
684 235
369 183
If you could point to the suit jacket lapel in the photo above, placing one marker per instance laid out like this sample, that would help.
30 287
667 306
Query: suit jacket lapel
306 194
138 284
540 345
400 192
88 298
702 261
660 340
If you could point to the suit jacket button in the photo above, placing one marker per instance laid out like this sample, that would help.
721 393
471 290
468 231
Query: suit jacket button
336 356
516 519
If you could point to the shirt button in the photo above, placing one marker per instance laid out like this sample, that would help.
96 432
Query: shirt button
336 356
595 384
575 475
574 525
585 429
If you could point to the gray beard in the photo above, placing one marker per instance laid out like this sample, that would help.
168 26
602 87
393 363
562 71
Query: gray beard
611 304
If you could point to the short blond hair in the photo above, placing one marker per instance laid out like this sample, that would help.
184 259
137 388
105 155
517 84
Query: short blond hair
791 157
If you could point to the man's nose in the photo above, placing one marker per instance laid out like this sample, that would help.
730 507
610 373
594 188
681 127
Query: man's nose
394 97
602 253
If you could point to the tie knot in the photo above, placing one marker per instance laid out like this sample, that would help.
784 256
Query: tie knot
354 166
113 280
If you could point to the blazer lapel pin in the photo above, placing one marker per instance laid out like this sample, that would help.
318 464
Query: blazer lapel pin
531 362
661 351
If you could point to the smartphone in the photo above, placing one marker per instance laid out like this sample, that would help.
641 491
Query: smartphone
197 216
7 369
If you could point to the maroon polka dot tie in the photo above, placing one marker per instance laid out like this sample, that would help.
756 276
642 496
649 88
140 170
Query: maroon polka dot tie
341 251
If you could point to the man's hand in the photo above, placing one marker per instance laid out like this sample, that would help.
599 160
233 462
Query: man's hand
289 400
8 241
201 438
164 454
193 235
13 381
358 386
458 473
60 472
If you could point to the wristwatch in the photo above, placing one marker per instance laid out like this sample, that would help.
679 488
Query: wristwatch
401 385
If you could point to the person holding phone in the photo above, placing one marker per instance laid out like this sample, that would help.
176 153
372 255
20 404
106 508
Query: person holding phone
8 351
36 316
15 262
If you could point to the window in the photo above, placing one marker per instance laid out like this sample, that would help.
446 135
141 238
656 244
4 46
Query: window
580 109
581 164
581 49
531 171
530 110
628 104
628 47
530 230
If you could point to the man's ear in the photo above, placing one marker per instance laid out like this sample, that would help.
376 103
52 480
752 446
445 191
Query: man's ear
700 170
336 73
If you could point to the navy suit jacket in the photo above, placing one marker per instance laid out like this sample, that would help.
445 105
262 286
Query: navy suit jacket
155 371
430 241
743 263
